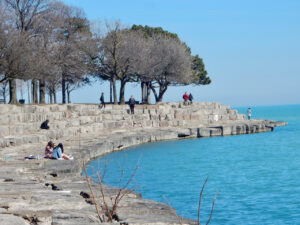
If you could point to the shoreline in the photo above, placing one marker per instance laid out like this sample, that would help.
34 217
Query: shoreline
48 191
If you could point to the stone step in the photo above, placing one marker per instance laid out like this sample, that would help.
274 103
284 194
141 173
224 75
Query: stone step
15 118
31 133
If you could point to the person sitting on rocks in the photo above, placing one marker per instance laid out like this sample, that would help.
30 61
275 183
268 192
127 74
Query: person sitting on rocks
45 125
55 152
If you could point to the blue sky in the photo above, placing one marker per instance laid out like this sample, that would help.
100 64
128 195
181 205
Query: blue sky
251 49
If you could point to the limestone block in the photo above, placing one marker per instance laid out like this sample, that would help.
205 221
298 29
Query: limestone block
126 117
211 117
71 123
216 105
120 124
179 116
195 117
154 117
170 117
239 129
108 107
109 124
233 116
204 132
7 219
179 123
163 123
193 132
215 117
117 117
226 130
152 112
155 123
137 117
215 132
224 117
106 117
162 117
152 106
118 111
138 111
147 123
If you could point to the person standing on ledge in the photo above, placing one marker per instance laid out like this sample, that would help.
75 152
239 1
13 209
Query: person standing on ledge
185 98
102 101
131 103
249 113
191 98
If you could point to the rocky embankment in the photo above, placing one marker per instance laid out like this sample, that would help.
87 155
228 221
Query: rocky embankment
41 191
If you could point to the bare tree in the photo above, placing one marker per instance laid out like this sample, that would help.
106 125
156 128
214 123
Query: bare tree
106 57
23 16
168 63
120 53
72 38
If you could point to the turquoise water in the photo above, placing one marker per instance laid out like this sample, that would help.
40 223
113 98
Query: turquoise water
257 175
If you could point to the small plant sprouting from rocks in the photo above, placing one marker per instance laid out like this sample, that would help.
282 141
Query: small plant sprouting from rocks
180 219
199 206
107 210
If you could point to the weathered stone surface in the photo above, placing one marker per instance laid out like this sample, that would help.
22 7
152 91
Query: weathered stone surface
6 219
48 191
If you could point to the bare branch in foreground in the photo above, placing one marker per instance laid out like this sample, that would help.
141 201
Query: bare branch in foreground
93 195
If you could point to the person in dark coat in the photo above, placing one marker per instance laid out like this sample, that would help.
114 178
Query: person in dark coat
45 125
191 98
102 101
131 103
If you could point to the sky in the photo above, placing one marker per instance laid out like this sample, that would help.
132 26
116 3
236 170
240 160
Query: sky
251 48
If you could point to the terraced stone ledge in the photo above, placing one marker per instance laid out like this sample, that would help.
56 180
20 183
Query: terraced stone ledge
54 192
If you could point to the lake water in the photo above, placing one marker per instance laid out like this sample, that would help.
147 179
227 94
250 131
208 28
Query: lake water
257 176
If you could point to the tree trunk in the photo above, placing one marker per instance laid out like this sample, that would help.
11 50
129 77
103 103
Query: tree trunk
148 93
162 91
143 88
12 91
110 91
122 92
3 93
54 95
28 91
154 92
34 92
42 91
115 90
69 96
50 97
63 89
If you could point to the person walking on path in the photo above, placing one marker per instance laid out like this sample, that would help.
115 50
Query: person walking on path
185 98
102 101
249 113
191 98
131 103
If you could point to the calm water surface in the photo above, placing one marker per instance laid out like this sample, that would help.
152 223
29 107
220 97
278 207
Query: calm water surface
257 175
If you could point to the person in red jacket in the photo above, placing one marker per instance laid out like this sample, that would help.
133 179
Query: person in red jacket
185 98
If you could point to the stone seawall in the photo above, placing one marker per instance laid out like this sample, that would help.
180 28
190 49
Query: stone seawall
48 191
